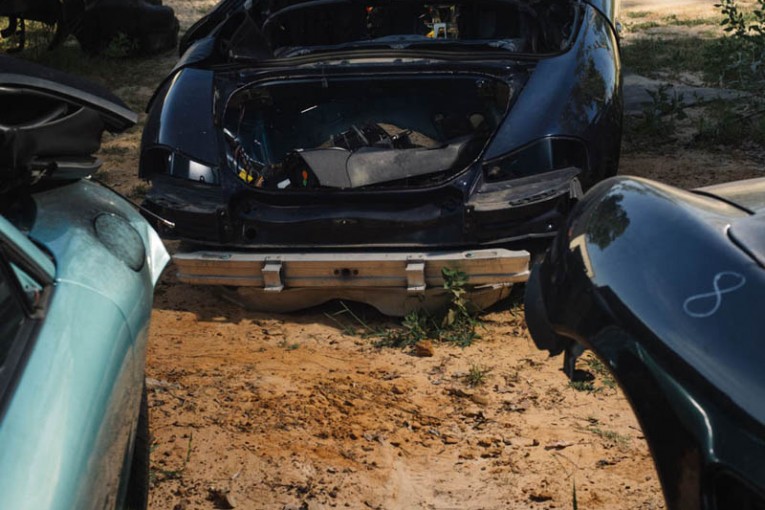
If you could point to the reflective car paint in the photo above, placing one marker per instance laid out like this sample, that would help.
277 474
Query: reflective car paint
609 8
67 427
574 95
649 278
10 235
586 84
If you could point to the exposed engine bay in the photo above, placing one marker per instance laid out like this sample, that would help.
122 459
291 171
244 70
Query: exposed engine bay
351 133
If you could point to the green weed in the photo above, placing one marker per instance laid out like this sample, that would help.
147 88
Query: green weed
660 116
723 123
611 436
477 375
121 46
601 372
457 324
157 475
587 386
288 346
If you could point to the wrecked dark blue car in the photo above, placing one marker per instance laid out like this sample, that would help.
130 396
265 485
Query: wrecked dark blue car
335 148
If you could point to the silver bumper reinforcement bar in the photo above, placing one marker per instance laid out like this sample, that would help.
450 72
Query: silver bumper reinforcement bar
411 271
393 282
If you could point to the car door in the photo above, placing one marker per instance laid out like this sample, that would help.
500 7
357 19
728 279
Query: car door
68 405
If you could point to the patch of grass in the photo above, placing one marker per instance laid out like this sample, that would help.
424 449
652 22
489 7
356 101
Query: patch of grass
657 56
477 375
638 14
587 386
735 60
744 48
288 346
723 123
673 20
415 327
601 372
114 150
611 436
139 191
644 25
457 324
660 117
120 46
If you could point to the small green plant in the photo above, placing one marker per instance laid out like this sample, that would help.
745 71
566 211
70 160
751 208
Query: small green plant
121 46
644 25
611 436
661 115
477 375
288 346
460 322
742 25
457 324
674 20
744 49
724 123
587 386
416 326
139 191
601 372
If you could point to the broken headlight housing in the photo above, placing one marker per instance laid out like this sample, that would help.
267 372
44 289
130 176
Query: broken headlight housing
160 160
545 155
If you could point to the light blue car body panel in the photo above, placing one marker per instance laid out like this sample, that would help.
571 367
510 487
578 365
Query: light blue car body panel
609 8
10 234
67 427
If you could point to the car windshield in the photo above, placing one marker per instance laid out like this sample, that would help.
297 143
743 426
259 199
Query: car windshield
541 26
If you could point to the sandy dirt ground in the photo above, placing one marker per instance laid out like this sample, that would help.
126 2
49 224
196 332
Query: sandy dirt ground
264 411
661 6
290 412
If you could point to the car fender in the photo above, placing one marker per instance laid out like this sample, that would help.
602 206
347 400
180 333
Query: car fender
70 417
576 94
609 8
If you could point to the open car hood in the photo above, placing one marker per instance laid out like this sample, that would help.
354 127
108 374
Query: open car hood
22 75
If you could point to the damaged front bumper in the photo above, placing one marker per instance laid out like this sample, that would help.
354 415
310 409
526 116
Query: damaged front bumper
393 282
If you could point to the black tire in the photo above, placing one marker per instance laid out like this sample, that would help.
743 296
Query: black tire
137 497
